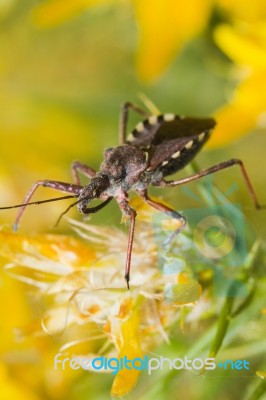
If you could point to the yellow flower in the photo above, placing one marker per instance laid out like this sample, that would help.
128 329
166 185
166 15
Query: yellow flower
246 46
86 283
244 10
165 27
130 347
23 345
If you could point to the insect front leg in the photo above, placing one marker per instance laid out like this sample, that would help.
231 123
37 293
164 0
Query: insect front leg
124 119
60 186
131 213
168 211
78 166
214 169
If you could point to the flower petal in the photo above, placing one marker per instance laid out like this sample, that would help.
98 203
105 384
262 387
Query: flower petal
242 114
245 45
165 27
126 379
50 254
245 10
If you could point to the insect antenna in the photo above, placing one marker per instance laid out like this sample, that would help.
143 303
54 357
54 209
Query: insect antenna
66 211
39 202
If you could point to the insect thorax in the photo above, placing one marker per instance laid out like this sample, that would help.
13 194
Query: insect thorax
124 166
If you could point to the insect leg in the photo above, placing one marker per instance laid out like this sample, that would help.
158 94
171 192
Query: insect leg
78 166
124 119
168 211
61 186
212 170
91 210
84 210
131 213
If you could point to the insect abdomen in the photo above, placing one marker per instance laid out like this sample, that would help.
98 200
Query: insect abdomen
184 156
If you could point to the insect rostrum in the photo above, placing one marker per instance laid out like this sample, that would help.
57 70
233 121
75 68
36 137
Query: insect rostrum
159 146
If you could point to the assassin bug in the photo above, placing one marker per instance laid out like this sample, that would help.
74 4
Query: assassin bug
159 146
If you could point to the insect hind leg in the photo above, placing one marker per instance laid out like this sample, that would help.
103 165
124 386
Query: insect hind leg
124 118
166 210
214 169
60 186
